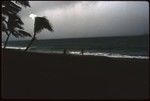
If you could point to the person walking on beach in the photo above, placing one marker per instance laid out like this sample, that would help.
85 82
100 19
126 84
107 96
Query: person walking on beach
65 52
82 51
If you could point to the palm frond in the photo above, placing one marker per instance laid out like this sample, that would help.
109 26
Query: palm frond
15 33
3 18
20 22
10 7
17 25
8 10
18 19
20 33
24 3
4 24
13 22
4 27
41 23
24 33
15 6
5 11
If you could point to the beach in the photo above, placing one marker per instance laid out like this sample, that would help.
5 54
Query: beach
29 75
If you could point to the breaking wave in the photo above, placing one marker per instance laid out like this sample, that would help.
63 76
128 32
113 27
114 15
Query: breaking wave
11 47
111 55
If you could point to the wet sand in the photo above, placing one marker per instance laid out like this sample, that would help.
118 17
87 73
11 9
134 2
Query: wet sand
29 75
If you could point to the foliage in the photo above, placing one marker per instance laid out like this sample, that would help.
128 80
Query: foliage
10 11
11 22
41 23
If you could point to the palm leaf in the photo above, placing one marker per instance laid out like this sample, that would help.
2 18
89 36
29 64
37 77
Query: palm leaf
24 33
10 3
24 3
15 33
17 25
18 19
5 11
3 18
20 33
41 23
10 7
14 22
15 18
9 10
4 27
13 5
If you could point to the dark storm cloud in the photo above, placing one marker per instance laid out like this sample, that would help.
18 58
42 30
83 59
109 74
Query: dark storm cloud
89 18
39 6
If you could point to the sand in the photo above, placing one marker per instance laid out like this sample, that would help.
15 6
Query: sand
27 75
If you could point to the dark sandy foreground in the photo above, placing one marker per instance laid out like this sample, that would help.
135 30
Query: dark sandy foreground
35 75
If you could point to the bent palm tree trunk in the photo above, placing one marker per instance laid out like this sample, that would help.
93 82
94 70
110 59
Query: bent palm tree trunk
31 42
39 24
6 41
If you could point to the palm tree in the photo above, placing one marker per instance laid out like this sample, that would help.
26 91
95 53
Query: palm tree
14 27
39 24
10 10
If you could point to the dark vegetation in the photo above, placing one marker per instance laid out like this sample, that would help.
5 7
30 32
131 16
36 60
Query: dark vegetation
12 23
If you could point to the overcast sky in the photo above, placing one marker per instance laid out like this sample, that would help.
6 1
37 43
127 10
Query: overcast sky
72 19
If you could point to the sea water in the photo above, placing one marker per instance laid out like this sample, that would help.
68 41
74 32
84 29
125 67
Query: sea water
116 47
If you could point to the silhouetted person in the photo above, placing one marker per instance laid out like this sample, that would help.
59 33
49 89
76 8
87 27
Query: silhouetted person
82 51
65 52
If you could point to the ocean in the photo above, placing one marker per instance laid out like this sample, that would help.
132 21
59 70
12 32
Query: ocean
115 47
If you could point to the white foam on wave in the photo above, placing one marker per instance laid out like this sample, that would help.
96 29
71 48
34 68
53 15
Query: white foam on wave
47 51
11 47
112 55
75 52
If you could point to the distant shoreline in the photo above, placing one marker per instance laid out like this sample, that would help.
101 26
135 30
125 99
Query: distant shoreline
113 47
80 52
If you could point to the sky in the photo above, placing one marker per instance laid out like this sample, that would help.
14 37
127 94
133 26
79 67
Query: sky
75 19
